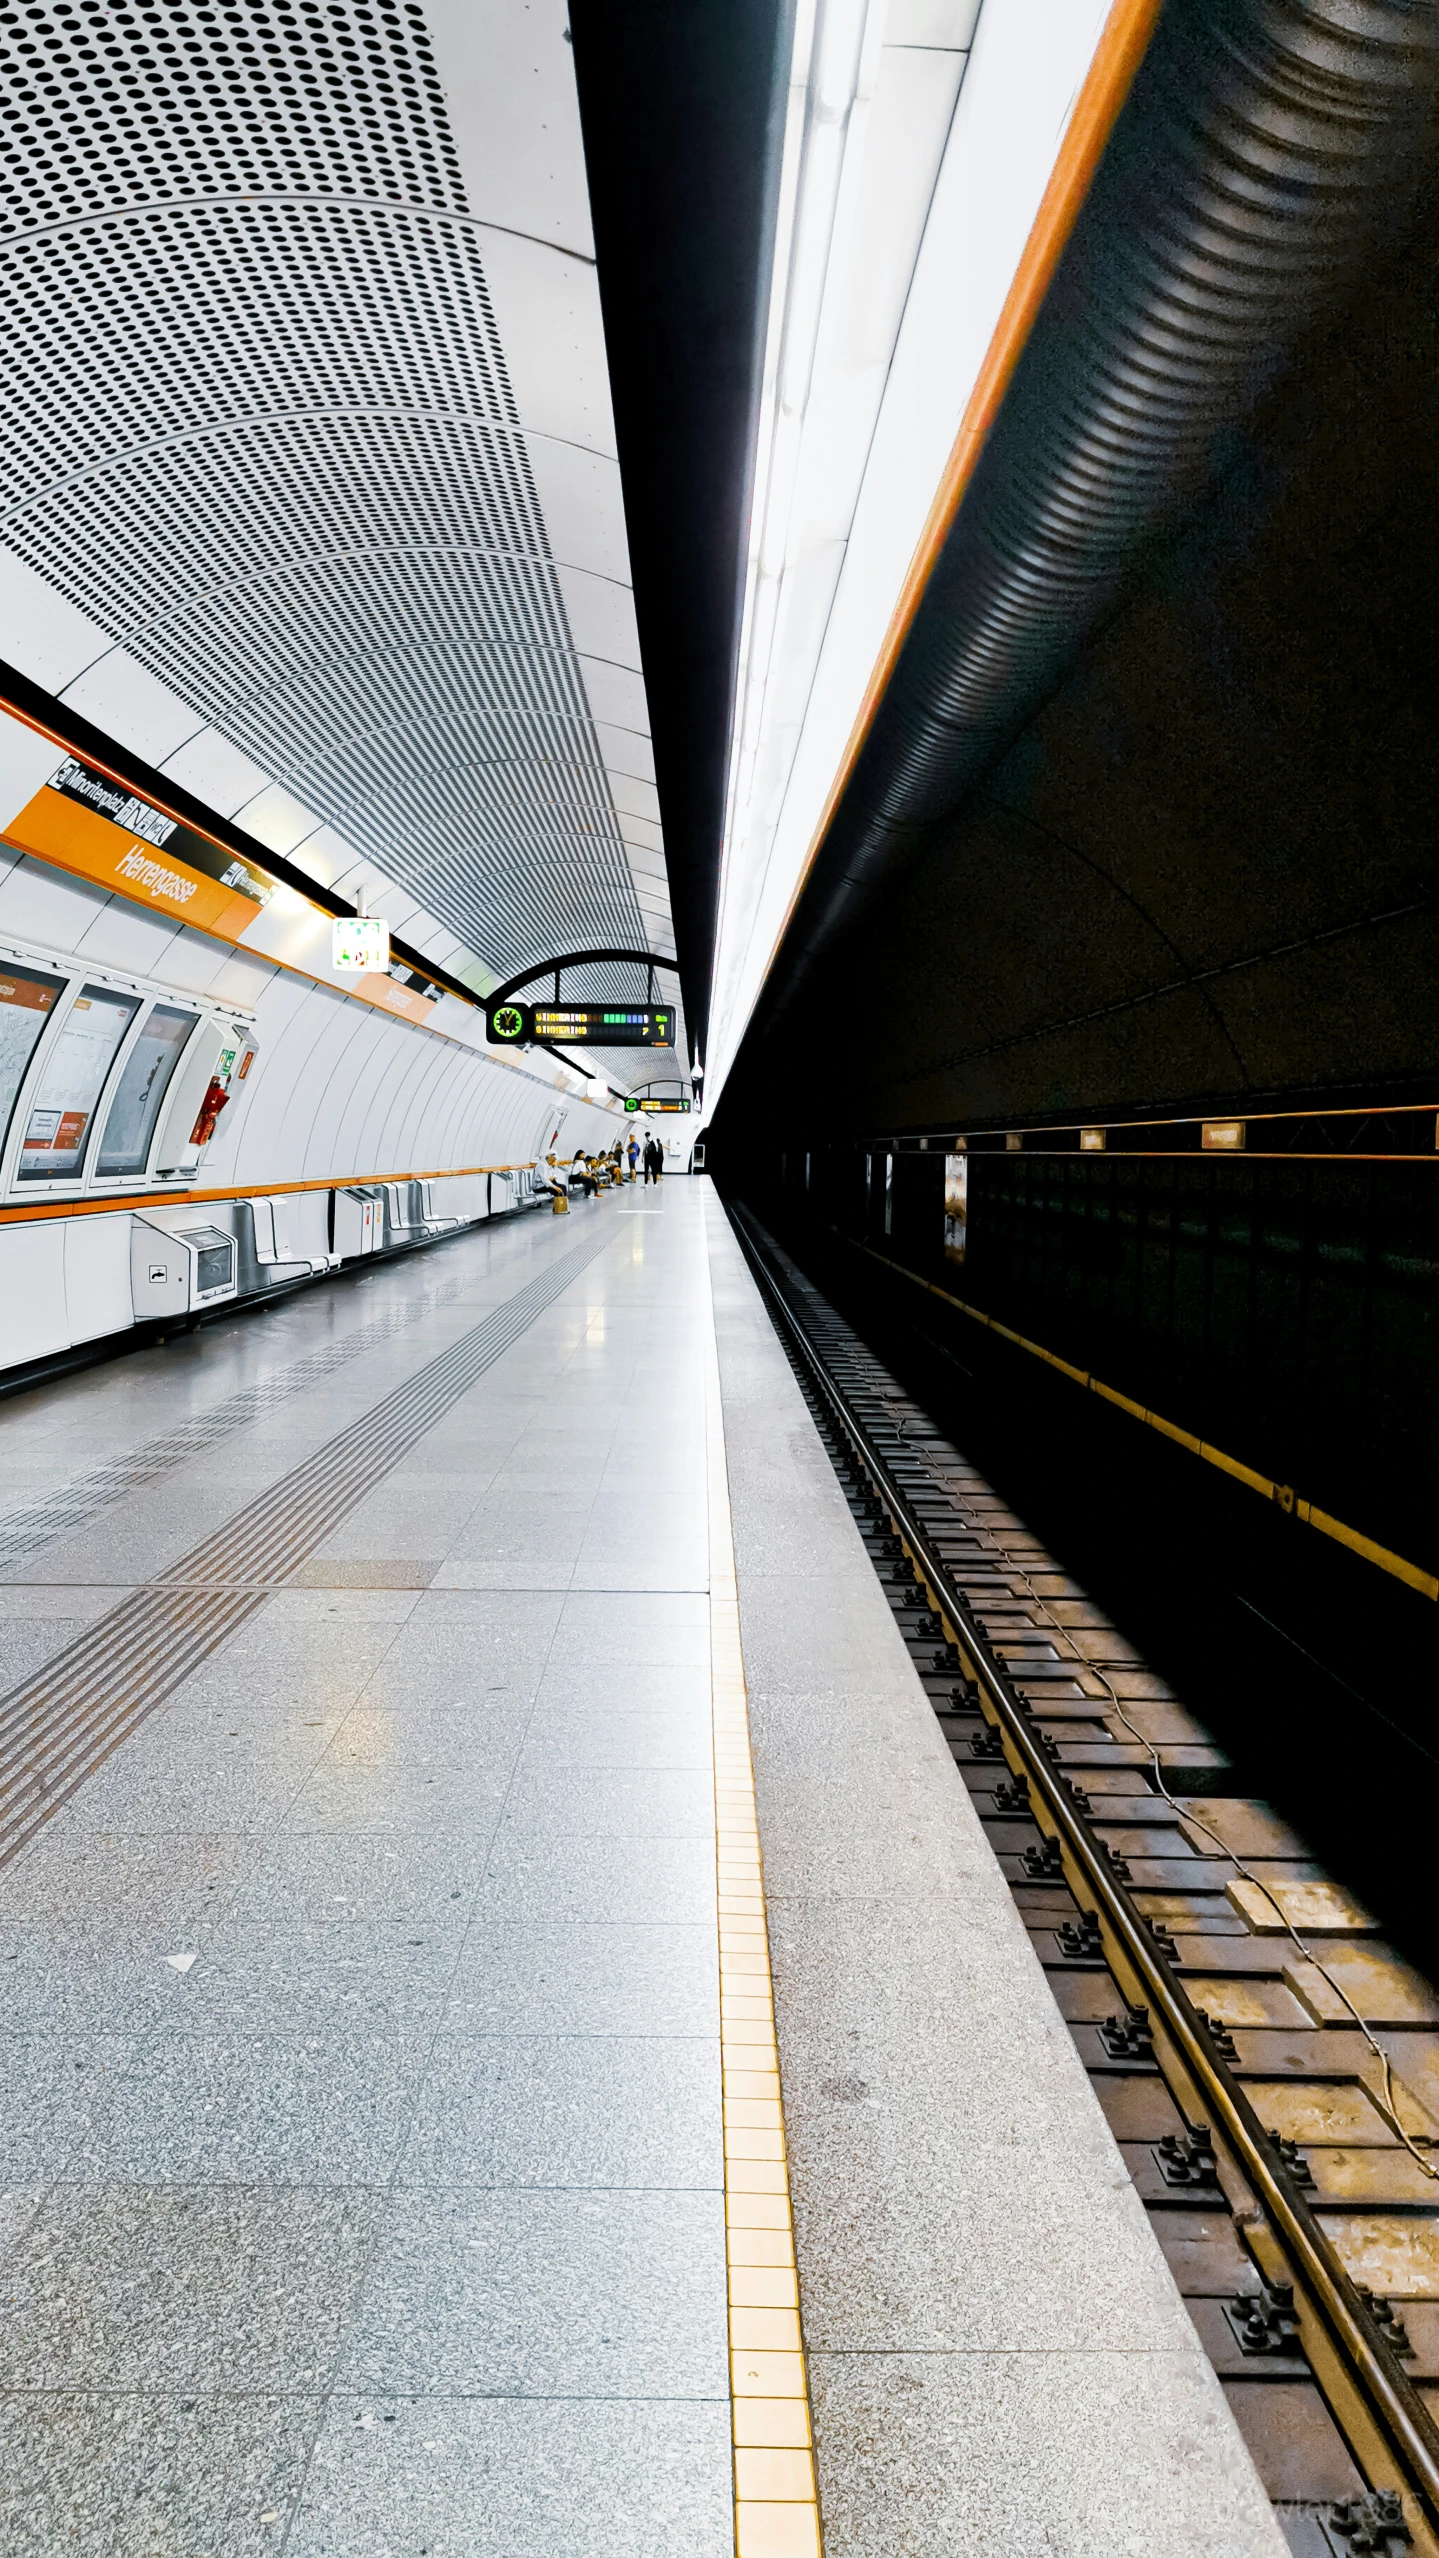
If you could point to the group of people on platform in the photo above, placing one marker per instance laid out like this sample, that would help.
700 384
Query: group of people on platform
590 1174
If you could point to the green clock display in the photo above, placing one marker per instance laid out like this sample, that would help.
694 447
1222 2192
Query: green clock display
508 1022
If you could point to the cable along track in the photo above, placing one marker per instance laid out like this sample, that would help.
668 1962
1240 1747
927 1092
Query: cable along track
1269 2067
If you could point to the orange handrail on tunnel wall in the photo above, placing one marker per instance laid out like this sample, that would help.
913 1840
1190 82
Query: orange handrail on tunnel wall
1107 83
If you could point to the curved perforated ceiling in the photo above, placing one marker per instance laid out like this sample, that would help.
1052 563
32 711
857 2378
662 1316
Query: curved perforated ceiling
259 425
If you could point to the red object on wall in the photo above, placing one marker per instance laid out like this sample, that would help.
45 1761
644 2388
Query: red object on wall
210 1109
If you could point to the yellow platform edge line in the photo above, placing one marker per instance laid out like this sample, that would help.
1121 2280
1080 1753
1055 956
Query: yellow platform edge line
776 2498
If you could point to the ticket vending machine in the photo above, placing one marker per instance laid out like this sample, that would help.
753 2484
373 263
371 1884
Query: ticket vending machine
179 1265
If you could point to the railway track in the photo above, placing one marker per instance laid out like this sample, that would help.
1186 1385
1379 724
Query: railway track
1268 2065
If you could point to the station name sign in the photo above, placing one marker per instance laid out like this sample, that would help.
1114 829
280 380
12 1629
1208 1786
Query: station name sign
512 1025
86 822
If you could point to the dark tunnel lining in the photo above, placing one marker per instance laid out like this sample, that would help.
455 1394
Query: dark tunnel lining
682 112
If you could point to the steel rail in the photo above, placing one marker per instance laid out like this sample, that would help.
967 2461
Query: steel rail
1393 2403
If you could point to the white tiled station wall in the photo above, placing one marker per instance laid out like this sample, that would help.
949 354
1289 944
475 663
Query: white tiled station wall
338 1093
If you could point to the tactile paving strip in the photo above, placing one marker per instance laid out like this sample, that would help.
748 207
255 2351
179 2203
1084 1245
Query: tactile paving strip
24 1532
58 1725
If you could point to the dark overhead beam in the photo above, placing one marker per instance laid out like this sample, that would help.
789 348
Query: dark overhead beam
682 106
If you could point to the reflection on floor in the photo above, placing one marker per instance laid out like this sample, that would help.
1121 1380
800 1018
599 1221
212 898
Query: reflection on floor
362 2144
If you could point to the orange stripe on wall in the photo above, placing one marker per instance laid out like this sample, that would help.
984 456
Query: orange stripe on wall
44 1208
54 829
1117 57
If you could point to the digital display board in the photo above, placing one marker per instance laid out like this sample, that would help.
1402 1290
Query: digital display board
141 1091
27 998
634 1102
512 1025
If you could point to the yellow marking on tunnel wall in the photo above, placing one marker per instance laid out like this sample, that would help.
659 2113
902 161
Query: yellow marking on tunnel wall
776 2501
1397 1565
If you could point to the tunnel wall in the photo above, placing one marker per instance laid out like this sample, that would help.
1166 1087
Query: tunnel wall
1206 870
1203 879
1280 1312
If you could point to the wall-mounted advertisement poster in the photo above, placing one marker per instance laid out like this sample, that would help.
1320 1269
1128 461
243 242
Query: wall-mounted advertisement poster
57 1133
27 999
956 1204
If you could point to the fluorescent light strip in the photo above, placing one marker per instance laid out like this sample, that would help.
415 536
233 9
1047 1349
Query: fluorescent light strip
1037 102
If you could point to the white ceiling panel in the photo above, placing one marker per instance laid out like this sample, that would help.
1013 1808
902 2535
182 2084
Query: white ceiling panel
635 798
216 770
904 243
547 306
45 636
616 694
362 419
602 619
275 817
327 856
946 24
583 508
638 830
124 697
27 761
508 76
626 750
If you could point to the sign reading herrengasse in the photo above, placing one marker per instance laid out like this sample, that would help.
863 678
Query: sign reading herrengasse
85 821
164 860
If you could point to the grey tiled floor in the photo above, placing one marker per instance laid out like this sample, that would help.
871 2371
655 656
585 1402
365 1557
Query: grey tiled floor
393 2220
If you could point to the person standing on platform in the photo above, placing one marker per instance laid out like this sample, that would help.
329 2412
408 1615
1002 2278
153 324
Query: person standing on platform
654 1161
634 1153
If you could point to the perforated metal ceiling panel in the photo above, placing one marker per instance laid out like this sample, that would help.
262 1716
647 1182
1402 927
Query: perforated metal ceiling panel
259 424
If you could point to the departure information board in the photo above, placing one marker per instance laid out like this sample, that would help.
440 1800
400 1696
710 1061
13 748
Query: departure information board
633 1101
513 1025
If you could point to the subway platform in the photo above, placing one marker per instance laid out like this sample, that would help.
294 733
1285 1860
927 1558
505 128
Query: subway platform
401 1687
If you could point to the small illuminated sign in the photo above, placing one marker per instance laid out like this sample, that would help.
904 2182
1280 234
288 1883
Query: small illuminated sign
633 1102
956 1205
360 944
1223 1136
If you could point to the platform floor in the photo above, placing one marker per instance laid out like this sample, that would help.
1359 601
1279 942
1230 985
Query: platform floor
362 2144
